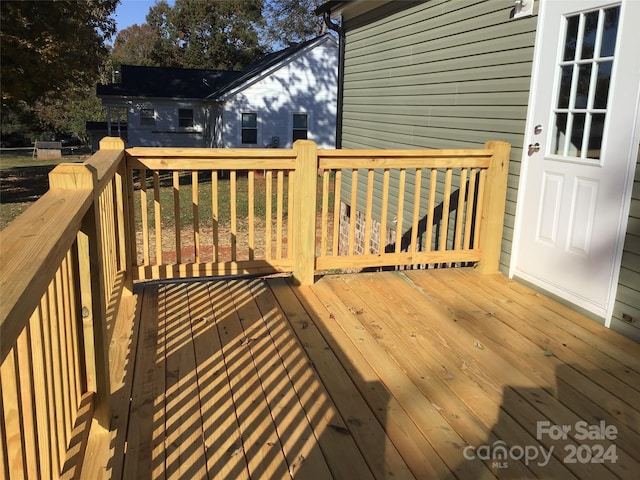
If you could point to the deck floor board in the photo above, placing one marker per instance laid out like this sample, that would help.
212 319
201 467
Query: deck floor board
372 375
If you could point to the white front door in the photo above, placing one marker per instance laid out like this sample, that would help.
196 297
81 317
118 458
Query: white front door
580 150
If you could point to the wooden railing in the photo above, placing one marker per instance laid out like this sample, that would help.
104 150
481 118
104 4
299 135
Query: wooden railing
445 215
153 213
210 212
63 272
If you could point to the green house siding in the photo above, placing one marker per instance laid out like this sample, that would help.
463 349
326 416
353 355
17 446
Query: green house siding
437 74
628 295
454 74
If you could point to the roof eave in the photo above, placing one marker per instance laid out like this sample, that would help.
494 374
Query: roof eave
224 94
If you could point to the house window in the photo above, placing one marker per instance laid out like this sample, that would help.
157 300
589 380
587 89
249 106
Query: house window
147 117
300 126
185 117
250 128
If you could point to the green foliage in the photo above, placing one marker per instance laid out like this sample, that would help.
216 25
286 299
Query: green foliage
223 34
292 21
217 34
135 46
69 112
51 57
46 45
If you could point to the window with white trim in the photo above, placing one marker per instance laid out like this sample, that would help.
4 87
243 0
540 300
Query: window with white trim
300 126
250 128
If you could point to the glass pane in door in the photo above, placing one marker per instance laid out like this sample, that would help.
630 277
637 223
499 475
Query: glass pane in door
584 71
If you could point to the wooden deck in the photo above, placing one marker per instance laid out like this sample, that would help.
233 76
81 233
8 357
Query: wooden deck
372 375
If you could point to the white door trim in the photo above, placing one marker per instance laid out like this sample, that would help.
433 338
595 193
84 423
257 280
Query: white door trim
626 206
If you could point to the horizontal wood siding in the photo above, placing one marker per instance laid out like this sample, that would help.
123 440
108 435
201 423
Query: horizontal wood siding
628 296
437 74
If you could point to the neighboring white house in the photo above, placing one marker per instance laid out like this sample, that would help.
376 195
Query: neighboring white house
284 96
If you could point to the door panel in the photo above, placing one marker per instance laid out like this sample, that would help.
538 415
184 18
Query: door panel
575 179
549 214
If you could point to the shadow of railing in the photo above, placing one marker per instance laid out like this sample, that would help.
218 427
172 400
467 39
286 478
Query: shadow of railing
456 210
221 386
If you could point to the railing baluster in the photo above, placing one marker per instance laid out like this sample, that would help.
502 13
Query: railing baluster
337 186
4 441
384 210
251 212
268 211
27 407
40 391
417 193
457 245
234 213
176 216
400 211
446 209
215 216
433 184
63 357
354 209
124 253
368 212
325 211
157 216
56 376
481 187
50 388
73 324
145 216
290 221
11 413
471 206
279 202
131 233
196 214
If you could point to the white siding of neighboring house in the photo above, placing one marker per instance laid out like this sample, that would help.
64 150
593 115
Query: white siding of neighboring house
306 83
166 131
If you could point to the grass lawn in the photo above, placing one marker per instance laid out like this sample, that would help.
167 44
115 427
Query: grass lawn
205 197
24 179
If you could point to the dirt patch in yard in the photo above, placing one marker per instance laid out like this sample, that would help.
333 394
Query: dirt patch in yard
224 243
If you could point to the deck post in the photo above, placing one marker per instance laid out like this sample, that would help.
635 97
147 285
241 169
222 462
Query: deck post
304 212
493 208
92 301
124 213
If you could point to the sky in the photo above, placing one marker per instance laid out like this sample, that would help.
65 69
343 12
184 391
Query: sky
129 12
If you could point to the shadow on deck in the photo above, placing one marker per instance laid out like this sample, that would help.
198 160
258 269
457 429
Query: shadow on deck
426 374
